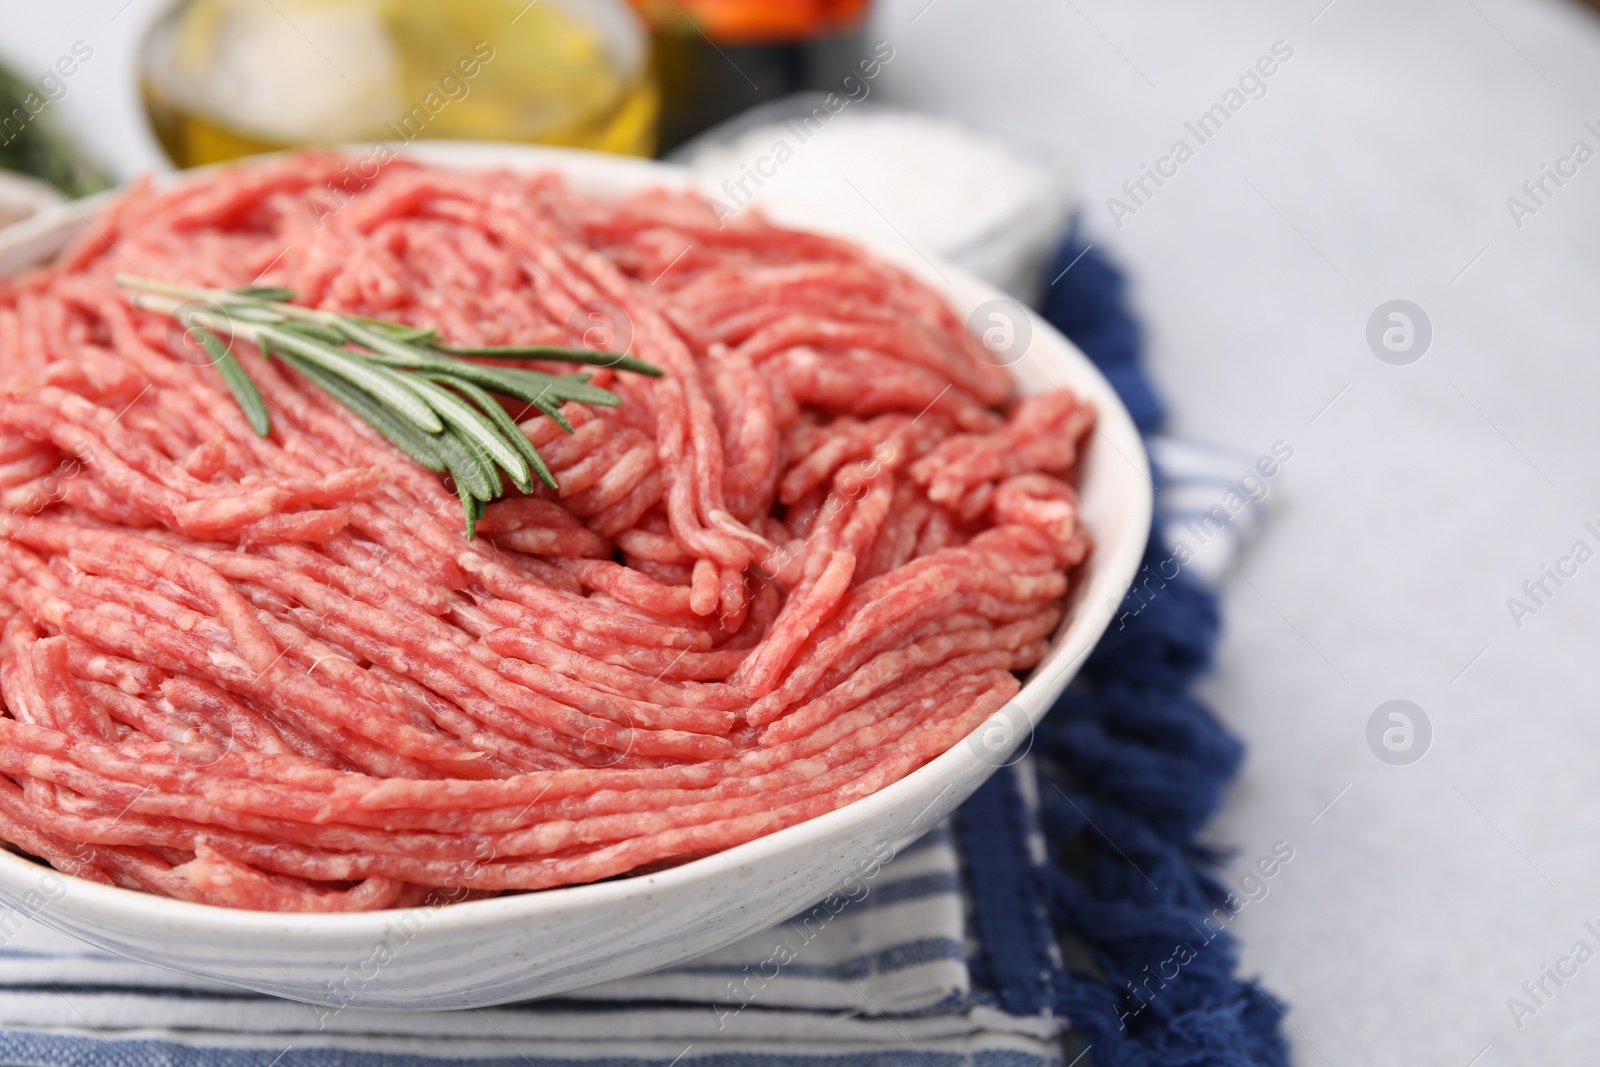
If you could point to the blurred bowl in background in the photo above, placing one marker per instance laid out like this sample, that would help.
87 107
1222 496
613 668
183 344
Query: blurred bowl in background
933 186
22 197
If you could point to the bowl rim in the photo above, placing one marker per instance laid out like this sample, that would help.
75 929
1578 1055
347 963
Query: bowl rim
1081 629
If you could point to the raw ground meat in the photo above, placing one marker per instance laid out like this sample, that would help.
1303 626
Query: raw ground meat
273 673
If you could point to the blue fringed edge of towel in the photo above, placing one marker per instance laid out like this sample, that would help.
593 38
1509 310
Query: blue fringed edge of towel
1131 767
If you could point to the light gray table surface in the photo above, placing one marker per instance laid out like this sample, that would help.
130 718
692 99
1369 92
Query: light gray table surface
1377 166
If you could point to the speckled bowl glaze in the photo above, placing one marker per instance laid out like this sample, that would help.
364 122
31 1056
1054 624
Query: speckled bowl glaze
535 944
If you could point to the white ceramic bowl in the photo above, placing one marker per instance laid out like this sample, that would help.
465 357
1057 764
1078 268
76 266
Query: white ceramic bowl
535 944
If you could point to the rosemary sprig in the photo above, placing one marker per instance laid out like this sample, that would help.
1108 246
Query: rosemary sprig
423 396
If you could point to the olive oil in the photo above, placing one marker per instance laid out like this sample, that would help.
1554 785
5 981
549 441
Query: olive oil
229 78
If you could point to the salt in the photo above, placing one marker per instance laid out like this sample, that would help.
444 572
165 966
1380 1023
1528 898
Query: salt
895 178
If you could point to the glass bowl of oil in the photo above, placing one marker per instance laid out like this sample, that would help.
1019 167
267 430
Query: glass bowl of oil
228 78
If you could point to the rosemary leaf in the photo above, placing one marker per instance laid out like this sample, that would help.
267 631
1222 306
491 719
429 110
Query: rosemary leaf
532 386
382 383
385 343
400 433
400 331
507 427
554 353
265 292
513 381
552 409
473 472
472 425
239 383
316 331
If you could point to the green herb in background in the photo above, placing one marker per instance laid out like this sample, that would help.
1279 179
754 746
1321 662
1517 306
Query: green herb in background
30 144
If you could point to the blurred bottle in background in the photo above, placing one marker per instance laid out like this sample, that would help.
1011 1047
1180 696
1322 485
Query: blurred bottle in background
755 21
717 58
229 78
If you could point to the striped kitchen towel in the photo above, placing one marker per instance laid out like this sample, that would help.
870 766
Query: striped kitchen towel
899 964
1210 501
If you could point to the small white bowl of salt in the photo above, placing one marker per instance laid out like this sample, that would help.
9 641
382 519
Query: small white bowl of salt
938 187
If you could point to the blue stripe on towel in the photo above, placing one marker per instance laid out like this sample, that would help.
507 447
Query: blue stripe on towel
898 958
1016 960
918 888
